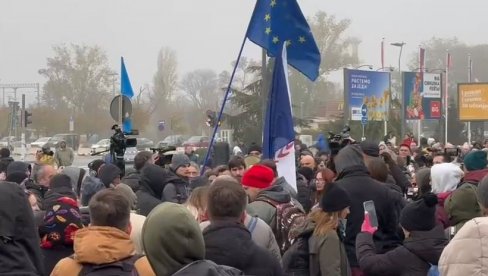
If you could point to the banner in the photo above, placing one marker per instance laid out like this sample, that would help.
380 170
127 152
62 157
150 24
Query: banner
473 101
370 88
422 96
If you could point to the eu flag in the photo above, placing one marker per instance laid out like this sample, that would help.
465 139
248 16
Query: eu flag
275 22
125 86
278 134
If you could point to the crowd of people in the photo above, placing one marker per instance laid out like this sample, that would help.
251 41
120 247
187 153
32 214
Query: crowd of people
243 218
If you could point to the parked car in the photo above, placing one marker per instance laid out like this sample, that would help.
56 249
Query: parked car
102 145
71 139
40 142
130 154
144 144
4 142
197 142
172 140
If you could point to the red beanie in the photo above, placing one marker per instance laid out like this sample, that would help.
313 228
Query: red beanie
258 176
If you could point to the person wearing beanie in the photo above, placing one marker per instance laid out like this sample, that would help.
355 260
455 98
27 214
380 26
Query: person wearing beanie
109 174
265 197
423 245
177 185
254 150
465 253
60 186
370 148
324 231
353 176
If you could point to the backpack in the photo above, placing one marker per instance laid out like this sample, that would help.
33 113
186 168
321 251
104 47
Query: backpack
288 216
296 260
125 267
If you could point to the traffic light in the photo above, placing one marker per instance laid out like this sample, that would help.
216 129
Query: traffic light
27 118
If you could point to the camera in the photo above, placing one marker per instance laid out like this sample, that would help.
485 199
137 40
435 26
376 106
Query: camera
339 141
165 155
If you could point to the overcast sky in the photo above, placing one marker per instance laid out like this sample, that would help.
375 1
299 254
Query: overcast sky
208 33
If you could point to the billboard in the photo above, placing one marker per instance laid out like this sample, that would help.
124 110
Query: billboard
473 101
370 88
422 97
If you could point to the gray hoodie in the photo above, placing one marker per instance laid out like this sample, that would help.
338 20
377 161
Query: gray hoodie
347 157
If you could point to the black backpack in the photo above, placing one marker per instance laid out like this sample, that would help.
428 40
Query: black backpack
296 260
123 267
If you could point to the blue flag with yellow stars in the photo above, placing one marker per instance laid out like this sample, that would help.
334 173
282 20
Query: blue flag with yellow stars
275 22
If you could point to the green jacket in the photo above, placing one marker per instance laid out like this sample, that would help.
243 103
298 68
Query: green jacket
64 157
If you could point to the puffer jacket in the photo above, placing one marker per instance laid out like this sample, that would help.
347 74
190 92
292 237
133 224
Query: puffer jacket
265 211
419 251
176 189
467 253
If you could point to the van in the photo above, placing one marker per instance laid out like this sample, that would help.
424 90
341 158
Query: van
72 140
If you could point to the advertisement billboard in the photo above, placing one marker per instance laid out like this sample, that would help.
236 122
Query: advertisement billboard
473 101
370 88
422 97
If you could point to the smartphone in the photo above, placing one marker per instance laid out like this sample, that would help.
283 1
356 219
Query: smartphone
369 207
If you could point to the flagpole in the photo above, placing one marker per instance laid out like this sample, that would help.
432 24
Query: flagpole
446 103
219 117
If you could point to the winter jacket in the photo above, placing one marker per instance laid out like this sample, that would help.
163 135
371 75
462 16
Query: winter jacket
304 193
467 252
440 212
401 180
261 234
137 222
51 257
20 252
229 243
176 189
90 186
77 175
461 206
55 193
265 211
419 251
132 179
353 177
327 253
100 245
47 159
150 192
64 157
37 190
207 268
474 177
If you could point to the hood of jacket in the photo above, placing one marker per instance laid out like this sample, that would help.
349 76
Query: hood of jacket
108 173
76 175
276 193
281 181
19 240
153 178
171 246
207 268
101 245
427 245
462 205
350 156
445 177
475 176
228 242
91 185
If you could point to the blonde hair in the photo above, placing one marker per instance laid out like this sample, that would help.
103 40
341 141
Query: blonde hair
324 221
197 202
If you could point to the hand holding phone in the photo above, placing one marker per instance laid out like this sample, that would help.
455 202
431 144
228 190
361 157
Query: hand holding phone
366 226
371 210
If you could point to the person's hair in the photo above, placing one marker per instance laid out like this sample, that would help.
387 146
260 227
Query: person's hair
209 173
4 152
197 202
226 199
324 221
38 172
195 165
444 157
141 159
270 164
483 192
110 207
236 162
377 169
220 169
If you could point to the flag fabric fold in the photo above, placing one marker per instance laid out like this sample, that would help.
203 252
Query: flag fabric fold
278 134
125 86
275 22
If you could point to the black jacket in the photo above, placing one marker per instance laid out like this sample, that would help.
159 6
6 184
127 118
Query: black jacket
354 178
37 190
20 253
151 188
176 189
52 256
229 243
414 258
55 193
132 179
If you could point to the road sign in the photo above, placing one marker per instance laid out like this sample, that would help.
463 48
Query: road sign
364 110
126 108
364 120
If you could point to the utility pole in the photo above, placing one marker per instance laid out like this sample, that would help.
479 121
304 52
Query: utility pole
23 126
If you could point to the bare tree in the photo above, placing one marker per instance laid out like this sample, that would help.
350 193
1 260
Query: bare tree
201 87
165 79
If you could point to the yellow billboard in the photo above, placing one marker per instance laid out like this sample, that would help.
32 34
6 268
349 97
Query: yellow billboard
473 101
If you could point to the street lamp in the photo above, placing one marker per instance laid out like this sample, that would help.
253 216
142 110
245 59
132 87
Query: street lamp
114 77
365 65
399 44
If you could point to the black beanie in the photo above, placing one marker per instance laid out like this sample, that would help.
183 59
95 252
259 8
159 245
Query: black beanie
370 148
254 147
334 199
420 215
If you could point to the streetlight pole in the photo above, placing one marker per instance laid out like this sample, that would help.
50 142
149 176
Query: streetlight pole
401 44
